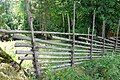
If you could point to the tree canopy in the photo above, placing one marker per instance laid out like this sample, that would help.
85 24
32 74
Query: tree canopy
53 15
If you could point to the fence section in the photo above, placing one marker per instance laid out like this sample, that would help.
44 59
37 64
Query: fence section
58 52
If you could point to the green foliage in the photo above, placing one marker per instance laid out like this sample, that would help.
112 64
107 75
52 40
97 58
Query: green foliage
106 68
51 15
65 74
12 14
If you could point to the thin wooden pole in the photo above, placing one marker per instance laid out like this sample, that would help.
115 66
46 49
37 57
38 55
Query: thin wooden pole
68 17
35 55
88 32
63 19
117 36
73 41
103 35
91 47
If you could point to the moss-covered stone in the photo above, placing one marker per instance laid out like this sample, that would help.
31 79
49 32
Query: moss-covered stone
5 57
7 72
10 69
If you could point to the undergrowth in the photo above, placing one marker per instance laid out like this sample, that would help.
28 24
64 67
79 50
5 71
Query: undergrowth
106 68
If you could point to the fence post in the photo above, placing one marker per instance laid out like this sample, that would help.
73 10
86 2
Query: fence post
103 36
91 46
88 33
68 17
116 42
35 55
73 37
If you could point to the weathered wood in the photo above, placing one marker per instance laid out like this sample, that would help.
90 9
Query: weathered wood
43 41
90 40
43 57
63 20
24 52
67 53
108 40
64 53
96 56
88 32
85 52
113 39
43 53
91 47
35 55
54 48
108 47
55 57
68 17
55 53
61 38
38 32
25 58
37 46
103 36
78 63
116 41
109 44
23 45
82 43
80 60
117 50
73 37
57 66
86 57
58 61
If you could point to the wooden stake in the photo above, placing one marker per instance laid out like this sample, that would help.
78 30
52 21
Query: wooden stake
88 32
35 55
91 47
63 19
68 17
103 36
73 41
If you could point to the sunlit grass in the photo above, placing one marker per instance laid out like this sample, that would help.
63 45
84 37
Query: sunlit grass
9 47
